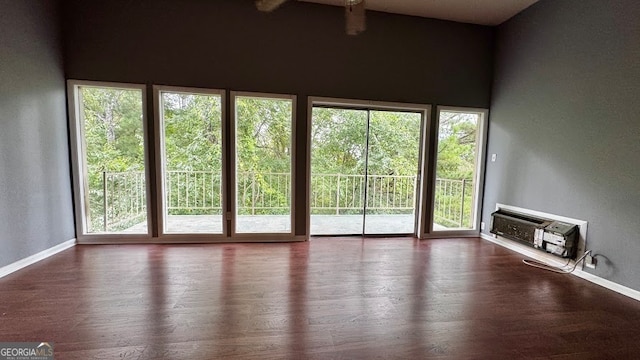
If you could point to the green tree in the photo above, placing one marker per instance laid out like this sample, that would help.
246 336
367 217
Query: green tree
263 154
113 143
456 164
192 152
338 138
263 134
457 145
192 130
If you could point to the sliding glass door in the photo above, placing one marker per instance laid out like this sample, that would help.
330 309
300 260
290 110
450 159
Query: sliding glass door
338 166
365 170
393 159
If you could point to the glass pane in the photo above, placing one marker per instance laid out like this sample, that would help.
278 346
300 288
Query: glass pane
454 205
338 141
115 184
193 162
394 153
263 165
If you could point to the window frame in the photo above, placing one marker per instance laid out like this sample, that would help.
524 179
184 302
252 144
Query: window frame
232 188
79 163
480 160
160 165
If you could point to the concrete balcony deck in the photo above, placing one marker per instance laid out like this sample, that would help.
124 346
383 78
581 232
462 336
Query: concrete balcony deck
320 224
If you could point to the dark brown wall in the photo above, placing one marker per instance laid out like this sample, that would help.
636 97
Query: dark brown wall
299 49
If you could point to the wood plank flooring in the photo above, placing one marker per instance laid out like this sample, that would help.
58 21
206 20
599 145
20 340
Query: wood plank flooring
330 298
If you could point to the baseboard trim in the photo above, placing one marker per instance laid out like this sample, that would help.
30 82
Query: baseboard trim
532 253
21 264
620 289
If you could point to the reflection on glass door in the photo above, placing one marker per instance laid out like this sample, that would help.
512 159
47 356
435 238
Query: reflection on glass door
457 169
263 164
192 146
392 167
110 157
364 171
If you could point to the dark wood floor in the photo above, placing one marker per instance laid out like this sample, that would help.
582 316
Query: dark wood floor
331 298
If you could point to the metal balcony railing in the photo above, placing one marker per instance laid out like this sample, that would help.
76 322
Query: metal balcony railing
453 203
340 194
123 201
198 193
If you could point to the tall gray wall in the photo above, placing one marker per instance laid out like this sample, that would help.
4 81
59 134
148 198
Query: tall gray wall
299 49
35 187
565 123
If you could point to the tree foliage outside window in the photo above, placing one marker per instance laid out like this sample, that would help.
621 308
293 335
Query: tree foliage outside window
457 145
455 168
347 143
192 153
112 123
263 155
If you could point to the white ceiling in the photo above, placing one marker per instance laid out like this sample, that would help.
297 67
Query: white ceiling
483 12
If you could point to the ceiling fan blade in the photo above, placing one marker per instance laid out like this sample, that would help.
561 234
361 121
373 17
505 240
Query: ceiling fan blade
268 5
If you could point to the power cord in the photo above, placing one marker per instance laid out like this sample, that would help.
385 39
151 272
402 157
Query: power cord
557 269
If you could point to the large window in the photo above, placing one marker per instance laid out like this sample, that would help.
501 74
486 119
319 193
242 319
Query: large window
192 148
110 158
458 169
263 133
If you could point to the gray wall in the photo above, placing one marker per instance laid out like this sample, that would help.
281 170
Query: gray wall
299 49
35 186
565 123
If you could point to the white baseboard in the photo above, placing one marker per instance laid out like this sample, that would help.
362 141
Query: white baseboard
552 260
620 289
21 264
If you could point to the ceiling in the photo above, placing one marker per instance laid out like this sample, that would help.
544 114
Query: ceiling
483 12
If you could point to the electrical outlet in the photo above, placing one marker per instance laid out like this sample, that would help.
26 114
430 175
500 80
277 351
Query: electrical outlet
482 225
590 262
